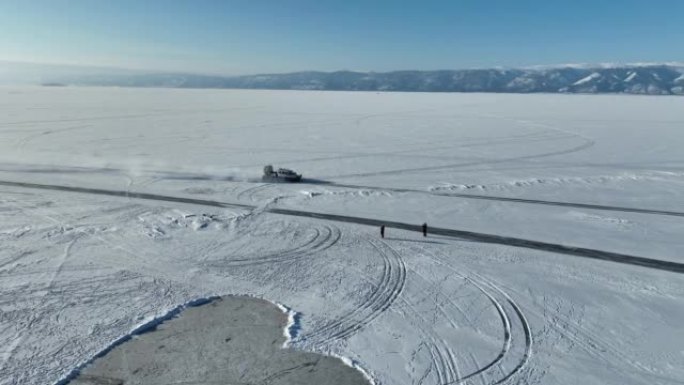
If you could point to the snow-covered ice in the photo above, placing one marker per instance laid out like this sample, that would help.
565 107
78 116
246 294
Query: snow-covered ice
79 271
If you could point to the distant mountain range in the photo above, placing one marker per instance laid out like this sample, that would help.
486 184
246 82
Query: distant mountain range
650 79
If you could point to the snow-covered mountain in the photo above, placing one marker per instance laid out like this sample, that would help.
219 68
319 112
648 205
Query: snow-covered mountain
652 79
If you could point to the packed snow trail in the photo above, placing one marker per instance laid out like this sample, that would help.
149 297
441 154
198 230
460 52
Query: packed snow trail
461 234
522 200
316 182
496 198
498 239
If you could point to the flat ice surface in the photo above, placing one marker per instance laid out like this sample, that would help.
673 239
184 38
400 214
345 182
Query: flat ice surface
79 271
230 340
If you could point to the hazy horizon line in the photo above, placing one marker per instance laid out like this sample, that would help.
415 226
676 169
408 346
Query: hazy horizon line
141 71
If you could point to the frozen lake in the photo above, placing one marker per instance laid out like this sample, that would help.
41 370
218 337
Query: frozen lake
79 268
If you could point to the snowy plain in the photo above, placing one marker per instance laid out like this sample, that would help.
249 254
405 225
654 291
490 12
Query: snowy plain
79 271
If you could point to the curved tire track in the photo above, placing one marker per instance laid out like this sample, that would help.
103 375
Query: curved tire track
587 143
380 299
441 355
503 316
526 331
592 343
386 293
482 284
251 191
674 267
321 241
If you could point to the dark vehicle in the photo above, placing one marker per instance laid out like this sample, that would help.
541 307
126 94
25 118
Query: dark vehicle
280 175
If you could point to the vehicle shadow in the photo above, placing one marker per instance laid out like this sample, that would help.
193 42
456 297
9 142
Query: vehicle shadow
316 181
414 240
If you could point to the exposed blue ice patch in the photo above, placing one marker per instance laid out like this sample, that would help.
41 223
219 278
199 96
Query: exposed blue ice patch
294 325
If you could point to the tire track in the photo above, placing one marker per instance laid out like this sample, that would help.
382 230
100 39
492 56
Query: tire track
674 267
526 330
280 254
482 283
441 357
577 148
22 142
503 316
133 257
251 191
13 259
593 344
505 321
586 143
380 299
43 293
425 148
321 241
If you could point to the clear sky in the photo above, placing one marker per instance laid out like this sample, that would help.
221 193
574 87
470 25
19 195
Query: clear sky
252 36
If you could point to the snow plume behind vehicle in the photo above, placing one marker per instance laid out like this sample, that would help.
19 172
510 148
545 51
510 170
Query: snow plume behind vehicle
215 174
136 169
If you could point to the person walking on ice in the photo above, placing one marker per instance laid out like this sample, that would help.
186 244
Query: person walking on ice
424 229
382 231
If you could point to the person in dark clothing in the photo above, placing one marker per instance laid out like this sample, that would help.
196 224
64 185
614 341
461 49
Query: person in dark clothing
425 229
382 231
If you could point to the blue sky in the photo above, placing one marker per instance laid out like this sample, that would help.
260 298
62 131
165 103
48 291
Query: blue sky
238 37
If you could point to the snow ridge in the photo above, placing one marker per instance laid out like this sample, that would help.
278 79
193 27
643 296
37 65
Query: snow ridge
291 332
354 364
531 182
293 326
